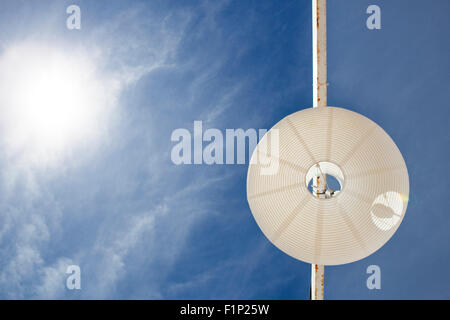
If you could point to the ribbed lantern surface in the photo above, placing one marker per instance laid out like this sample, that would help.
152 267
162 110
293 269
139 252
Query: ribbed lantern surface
359 218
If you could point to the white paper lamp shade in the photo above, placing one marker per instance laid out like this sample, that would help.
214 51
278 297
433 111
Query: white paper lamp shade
357 220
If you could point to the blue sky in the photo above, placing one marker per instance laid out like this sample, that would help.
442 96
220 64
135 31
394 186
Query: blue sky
141 227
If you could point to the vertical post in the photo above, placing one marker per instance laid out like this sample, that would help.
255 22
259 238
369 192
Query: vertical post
319 26
317 281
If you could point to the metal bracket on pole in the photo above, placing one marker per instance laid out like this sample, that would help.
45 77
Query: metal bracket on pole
319 26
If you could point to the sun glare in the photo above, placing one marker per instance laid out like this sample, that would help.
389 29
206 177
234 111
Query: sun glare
50 100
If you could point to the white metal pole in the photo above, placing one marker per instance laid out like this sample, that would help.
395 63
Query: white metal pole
317 281
319 26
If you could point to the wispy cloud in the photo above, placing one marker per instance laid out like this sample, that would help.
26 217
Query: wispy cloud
120 212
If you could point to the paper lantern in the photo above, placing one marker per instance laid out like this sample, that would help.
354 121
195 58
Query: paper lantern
338 226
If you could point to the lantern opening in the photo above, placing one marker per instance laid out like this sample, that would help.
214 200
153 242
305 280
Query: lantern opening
324 180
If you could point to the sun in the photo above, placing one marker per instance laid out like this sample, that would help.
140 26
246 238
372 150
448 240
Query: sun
51 100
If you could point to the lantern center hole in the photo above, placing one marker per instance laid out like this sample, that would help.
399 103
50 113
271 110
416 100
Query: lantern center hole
324 180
